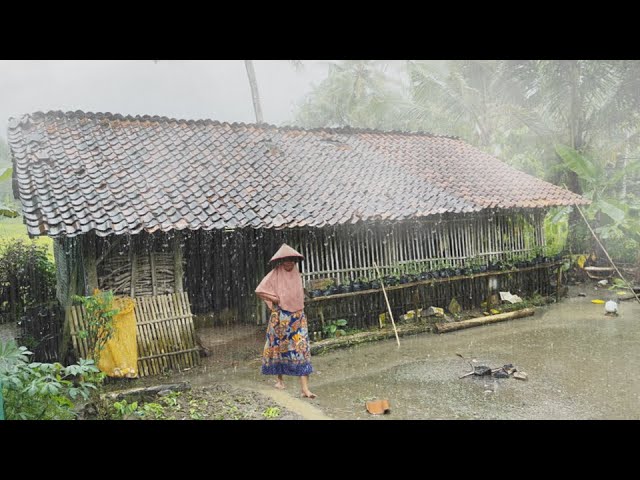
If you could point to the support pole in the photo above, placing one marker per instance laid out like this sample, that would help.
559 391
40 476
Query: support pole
395 330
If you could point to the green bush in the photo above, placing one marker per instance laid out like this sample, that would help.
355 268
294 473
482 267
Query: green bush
334 328
43 391
27 278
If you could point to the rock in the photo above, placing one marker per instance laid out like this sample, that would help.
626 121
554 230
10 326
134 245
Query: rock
520 375
454 306
433 311
603 282
582 294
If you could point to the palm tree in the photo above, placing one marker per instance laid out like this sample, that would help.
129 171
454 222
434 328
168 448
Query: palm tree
357 93
478 101
253 83
589 105
613 218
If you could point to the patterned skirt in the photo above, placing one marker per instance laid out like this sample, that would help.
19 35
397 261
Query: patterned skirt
286 351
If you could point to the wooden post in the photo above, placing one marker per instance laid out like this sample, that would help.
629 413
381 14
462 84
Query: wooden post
133 260
395 330
558 280
177 263
89 261
152 262
61 249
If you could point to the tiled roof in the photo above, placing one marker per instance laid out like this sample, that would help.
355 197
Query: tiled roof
79 171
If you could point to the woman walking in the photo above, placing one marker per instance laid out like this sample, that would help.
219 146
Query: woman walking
286 350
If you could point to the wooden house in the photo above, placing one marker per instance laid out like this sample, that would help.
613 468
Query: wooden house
150 205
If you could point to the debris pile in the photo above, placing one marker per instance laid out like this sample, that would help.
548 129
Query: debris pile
506 371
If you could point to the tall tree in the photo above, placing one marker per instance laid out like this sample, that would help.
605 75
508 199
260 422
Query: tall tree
357 93
589 105
253 83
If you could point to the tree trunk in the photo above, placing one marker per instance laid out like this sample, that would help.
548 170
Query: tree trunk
254 90
474 322
576 135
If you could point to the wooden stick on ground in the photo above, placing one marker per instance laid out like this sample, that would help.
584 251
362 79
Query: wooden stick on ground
474 322
388 306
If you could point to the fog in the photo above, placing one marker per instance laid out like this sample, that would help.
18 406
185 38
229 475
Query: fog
190 89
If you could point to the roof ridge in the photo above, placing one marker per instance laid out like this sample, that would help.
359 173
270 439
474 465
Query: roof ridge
40 115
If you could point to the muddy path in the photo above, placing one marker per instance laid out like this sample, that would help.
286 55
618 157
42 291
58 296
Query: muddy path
581 365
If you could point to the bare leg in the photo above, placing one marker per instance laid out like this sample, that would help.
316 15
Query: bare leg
304 385
280 383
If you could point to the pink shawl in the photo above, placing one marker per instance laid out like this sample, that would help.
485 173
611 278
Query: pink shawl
286 285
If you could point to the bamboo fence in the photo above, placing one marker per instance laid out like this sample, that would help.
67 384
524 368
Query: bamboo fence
164 332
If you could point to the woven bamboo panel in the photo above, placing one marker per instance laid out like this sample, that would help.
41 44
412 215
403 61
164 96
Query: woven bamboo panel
165 333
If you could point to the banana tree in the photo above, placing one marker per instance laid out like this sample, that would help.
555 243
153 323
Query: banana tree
613 219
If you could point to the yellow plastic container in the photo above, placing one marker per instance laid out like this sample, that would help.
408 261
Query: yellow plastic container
119 357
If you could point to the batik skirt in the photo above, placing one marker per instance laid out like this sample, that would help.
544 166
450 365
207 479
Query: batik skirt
286 351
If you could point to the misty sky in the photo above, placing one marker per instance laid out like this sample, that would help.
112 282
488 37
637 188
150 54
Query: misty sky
191 89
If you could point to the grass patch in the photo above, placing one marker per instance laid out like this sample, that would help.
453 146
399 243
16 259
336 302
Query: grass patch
13 229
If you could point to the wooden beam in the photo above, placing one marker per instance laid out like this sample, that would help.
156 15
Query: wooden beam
133 260
89 261
177 262
474 322
152 262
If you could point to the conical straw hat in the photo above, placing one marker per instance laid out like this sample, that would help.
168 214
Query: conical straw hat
285 251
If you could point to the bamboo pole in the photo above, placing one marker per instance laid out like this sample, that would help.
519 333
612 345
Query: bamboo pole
336 254
349 250
395 330
154 280
146 339
426 245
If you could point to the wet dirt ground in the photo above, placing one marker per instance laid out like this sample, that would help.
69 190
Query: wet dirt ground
580 363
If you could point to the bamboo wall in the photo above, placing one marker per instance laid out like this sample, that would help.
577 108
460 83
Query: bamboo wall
148 259
223 267
346 253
